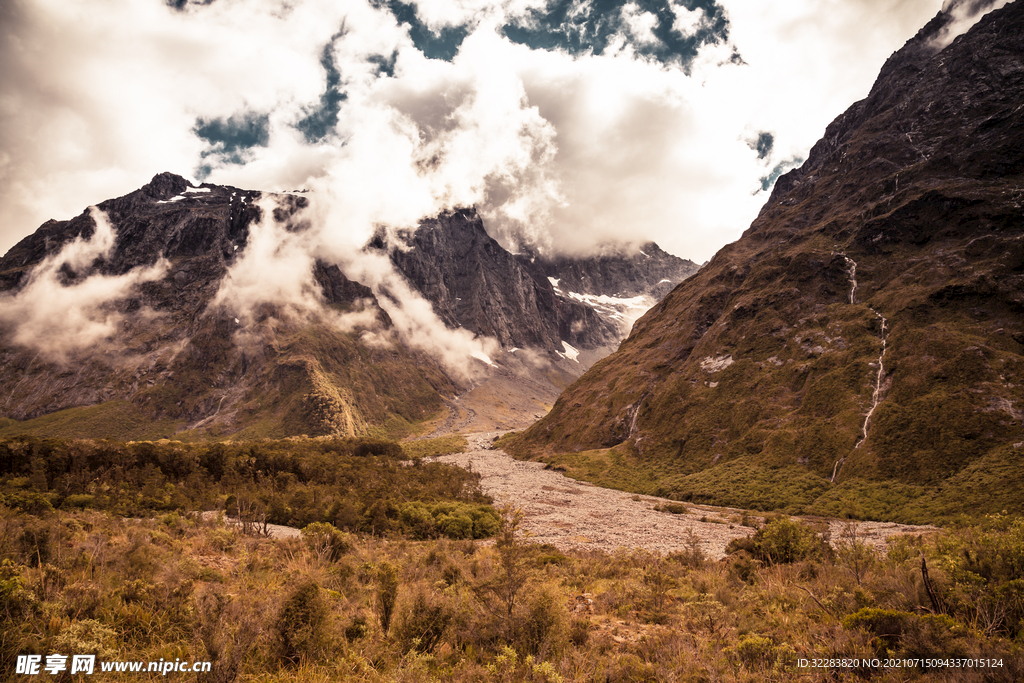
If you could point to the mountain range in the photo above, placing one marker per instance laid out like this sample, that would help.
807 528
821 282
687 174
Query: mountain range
174 360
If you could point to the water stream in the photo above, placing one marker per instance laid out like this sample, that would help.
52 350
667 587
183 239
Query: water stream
876 396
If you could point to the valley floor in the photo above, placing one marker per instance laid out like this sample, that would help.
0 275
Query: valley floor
571 514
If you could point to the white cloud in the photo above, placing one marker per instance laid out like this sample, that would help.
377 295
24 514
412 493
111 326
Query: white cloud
687 21
963 15
641 24
567 152
276 267
94 103
809 61
58 318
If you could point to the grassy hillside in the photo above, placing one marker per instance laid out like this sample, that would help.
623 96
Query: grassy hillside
882 278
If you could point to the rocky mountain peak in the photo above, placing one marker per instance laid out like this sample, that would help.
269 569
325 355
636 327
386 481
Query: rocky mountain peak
165 185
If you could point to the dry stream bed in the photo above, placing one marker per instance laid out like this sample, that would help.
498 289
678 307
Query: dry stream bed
571 514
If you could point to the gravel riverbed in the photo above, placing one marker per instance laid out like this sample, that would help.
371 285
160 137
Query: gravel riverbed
571 514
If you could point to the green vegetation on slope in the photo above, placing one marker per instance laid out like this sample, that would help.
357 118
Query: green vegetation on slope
118 420
988 486
436 447
355 484
882 278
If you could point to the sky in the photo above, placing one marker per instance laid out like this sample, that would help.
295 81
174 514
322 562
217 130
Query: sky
573 125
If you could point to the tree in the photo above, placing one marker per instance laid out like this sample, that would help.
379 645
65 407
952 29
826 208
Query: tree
512 572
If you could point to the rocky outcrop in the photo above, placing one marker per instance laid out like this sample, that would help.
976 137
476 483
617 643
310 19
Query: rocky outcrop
650 272
473 282
524 300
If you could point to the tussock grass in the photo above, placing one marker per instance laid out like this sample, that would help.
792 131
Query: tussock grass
432 448
368 609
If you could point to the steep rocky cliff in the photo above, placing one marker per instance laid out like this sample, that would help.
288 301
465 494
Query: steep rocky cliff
868 326
523 300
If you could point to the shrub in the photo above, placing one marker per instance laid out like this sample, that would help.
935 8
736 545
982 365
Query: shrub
985 568
423 623
229 629
325 541
512 574
906 634
758 653
388 449
783 541
301 626
693 557
35 542
79 500
87 636
452 519
418 521
543 629
387 593
357 628
30 502
455 525
18 608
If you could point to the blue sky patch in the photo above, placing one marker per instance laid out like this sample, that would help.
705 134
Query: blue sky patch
321 121
444 45
780 168
562 26
231 136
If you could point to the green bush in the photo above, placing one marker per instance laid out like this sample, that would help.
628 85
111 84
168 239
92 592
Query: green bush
674 508
783 541
357 628
387 594
905 634
388 449
451 519
544 628
326 541
423 623
87 636
301 626
79 500
759 653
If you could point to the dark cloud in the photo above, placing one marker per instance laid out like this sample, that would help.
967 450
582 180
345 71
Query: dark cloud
180 5
444 44
563 26
385 65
